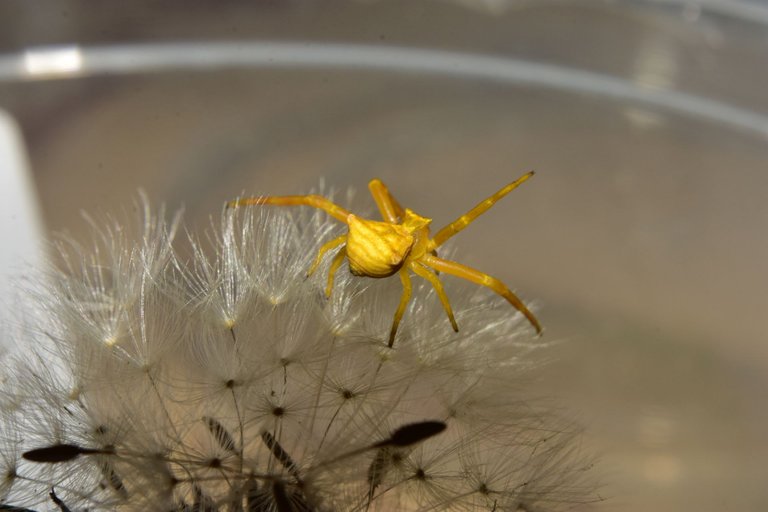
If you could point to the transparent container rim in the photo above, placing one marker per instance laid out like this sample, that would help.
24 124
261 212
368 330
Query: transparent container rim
74 61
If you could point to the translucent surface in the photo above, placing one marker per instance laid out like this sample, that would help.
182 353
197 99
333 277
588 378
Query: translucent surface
642 237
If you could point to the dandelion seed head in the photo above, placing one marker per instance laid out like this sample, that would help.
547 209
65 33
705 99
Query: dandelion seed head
226 380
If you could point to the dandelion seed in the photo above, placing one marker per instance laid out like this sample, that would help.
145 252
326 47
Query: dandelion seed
280 454
414 433
220 433
229 383
56 453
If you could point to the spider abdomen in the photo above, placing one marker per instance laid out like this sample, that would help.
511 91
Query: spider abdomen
376 249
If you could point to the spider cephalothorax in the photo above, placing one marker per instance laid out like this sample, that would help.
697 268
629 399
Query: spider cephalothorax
398 244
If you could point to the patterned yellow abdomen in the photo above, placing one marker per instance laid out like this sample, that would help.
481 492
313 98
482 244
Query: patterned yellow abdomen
376 249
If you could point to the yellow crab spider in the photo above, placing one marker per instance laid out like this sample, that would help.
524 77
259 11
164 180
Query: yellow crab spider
399 243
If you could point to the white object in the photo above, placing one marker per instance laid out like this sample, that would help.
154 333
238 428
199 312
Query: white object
21 227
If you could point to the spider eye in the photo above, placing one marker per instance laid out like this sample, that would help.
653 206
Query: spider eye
376 249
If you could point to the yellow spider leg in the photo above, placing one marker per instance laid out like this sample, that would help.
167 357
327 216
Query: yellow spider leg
335 264
327 246
390 209
477 277
482 207
314 201
432 278
406 280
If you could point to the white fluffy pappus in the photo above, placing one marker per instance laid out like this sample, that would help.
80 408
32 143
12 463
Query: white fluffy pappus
228 382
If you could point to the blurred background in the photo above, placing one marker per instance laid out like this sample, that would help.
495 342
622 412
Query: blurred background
641 240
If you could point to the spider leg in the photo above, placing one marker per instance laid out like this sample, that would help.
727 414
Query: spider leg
327 246
454 227
435 281
335 264
433 252
390 209
477 277
406 280
312 200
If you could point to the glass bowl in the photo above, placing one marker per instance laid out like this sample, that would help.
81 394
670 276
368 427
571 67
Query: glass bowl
642 237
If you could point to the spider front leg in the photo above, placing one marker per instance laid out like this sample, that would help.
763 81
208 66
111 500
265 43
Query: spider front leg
404 298
483 206
477 277
312 200
390 209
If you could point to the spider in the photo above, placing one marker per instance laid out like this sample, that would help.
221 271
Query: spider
398 244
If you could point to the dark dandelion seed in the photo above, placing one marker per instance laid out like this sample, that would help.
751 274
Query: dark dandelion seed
280 454
413 433
58 453
221 434
378 469
113 479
